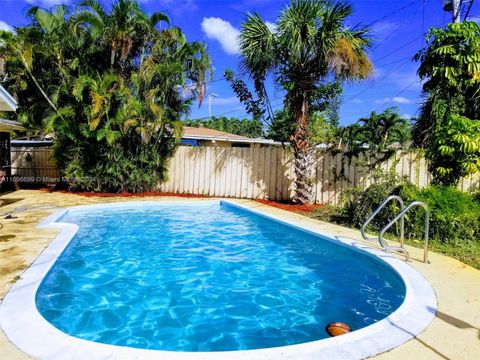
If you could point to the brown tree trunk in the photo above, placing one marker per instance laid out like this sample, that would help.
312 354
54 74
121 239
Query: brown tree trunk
112 53
302 152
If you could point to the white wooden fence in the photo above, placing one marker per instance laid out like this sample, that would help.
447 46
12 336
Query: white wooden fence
267 173
252 173
37 163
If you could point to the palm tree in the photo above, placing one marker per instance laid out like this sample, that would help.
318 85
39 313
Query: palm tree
379 129
125 23
371 130
309 46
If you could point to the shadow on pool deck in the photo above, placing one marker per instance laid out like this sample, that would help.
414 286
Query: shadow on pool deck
451 320
423 343
458 323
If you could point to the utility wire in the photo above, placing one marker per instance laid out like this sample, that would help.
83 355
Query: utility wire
398 94
423 24
372 23
396 61
388 101
468 10
395 31
392 13
272 107
399 48
375 82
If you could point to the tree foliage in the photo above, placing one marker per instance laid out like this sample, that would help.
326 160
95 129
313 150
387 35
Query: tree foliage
376 134
457 149
322 129
107 84
450 68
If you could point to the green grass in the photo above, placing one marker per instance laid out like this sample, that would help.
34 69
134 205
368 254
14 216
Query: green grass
468 252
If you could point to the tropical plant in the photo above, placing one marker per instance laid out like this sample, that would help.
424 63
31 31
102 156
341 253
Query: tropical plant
122 29
450 69
310 46
320 128
107 85
455 150
378 131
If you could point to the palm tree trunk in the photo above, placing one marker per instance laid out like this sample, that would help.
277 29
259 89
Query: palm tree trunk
302 153
112 54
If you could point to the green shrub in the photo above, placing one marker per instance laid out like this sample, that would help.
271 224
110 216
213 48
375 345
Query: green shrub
455 215
359 204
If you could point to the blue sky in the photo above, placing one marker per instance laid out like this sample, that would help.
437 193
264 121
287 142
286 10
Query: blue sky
397 33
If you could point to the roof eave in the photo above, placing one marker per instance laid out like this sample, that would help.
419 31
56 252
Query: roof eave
10 125
7 102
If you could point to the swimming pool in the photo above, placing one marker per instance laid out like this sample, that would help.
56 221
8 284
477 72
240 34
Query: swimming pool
209 277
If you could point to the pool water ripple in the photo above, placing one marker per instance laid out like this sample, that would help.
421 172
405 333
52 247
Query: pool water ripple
208 278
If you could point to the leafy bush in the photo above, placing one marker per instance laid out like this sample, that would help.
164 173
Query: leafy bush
455 215
109 86
359 204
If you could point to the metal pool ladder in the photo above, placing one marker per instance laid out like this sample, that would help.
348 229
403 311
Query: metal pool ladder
400 217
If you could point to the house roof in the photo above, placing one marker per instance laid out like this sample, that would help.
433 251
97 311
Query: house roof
202 133
7 102
9 125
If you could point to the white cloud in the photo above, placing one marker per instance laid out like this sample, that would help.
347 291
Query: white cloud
222 31
5 27
396 99
383 101
406 116
357 101
271 26
405 79
474 18
384 28
401 100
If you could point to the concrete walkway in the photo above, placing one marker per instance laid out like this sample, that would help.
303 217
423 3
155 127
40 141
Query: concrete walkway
454 333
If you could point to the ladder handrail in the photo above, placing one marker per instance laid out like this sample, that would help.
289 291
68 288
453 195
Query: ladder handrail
401 216
380 207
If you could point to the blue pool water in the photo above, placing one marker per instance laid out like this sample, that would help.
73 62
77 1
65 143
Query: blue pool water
208 278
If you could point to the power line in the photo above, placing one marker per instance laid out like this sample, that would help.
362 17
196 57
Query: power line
396 61
423 23
468 10
369 25
233 111
399 48
392 13
395 31
398 94
375 83
364 90
390 99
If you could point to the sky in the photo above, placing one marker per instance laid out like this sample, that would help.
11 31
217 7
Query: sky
397 29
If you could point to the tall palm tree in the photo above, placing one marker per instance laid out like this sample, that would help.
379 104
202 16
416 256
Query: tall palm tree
309 46
118 27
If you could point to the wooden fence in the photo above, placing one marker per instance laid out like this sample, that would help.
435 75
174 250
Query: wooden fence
34 164
253 173
267 173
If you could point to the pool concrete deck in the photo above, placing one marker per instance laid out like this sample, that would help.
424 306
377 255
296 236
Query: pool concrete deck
453 334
